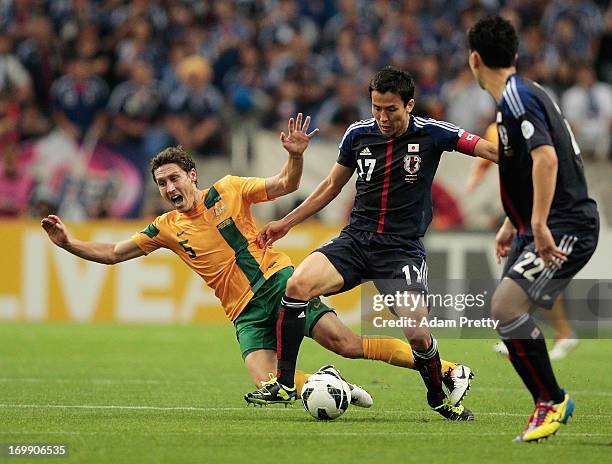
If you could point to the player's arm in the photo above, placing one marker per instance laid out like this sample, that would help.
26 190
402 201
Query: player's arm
503 240
473 145
325 192
544 178
482 165
486 150
104 253
295 142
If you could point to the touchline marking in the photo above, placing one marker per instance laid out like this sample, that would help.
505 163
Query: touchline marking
245 408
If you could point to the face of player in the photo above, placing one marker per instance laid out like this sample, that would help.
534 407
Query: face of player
391 114
177 187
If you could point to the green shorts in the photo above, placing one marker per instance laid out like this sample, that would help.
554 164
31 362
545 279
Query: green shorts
256 325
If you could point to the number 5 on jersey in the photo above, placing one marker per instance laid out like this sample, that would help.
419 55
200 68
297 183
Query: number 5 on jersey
188 249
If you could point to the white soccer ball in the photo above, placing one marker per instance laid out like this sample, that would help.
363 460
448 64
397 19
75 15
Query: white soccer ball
326 396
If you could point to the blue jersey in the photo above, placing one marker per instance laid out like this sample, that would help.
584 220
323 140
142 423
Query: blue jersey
528 118
393 199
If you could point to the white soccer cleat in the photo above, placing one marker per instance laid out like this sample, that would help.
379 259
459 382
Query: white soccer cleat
562 348
359 396
501 348
457 382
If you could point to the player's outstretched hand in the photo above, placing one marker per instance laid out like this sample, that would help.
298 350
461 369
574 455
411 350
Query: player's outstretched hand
56 230
547 249
297 138
271 232
503 240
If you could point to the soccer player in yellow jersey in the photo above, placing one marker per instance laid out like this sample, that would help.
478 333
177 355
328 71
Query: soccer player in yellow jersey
213 232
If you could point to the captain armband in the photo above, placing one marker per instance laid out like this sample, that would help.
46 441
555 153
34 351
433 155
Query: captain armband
467 142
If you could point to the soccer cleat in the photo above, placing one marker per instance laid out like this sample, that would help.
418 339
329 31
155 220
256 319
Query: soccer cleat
454 413
501 348
271 392
546 420
562 348
457 382
359 396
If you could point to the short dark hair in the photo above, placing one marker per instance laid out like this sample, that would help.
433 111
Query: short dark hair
176 155
495 40
390 79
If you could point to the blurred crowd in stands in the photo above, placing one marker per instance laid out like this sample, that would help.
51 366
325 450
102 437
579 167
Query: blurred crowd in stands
91 89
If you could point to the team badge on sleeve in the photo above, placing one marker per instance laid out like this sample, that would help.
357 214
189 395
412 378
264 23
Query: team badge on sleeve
527 129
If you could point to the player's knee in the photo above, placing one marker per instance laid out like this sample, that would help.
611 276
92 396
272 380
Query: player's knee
419 339
500 307
300 287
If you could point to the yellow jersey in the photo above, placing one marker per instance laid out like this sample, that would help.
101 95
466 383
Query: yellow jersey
491 134
217 240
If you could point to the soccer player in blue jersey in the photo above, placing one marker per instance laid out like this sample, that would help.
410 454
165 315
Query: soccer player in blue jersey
552 225
396 156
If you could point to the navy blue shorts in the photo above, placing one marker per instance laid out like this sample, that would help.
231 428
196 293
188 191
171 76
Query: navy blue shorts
543 285
359 257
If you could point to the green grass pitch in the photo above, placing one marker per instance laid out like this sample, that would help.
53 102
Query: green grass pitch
131 393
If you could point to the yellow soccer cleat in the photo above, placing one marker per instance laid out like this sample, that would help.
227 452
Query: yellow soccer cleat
546 420
454 413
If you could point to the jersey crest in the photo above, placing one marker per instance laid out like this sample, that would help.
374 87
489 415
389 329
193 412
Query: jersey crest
412 163
219 209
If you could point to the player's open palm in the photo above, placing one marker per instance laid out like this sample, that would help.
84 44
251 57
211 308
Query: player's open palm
56 230
547 249
297 138
271 232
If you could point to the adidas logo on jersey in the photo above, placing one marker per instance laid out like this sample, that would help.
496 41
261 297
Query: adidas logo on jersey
302 315
365 152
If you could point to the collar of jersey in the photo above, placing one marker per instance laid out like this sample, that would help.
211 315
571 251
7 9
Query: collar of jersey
510 77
